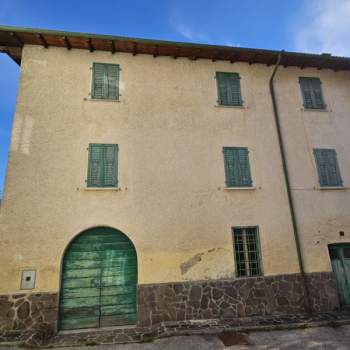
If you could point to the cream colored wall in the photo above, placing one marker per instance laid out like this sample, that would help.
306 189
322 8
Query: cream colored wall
321 214
172 203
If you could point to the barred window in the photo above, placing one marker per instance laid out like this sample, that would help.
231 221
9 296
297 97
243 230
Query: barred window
247 251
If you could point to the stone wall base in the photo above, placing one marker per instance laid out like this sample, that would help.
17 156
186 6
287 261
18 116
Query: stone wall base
33 317
242 297
22 315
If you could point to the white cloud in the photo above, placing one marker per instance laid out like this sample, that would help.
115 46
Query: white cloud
192 30
324 26
181 27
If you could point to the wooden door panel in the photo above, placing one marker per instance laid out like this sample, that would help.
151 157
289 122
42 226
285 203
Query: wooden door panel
98 281
341 267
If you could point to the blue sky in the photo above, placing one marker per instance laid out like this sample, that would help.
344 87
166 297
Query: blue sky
301 25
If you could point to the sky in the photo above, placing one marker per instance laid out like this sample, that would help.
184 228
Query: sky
295 25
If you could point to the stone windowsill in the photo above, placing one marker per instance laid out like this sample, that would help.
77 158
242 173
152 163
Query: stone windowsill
116 189
315 110
322 188
100 100
239 188
226 106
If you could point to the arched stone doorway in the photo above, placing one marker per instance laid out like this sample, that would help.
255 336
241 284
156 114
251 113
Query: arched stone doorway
98 281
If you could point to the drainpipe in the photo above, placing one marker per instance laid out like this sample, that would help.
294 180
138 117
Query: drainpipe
286 177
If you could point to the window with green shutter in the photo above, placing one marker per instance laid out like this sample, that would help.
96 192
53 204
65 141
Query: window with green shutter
312 93
247 251
229 89
105 81
103 165
237 168
327 167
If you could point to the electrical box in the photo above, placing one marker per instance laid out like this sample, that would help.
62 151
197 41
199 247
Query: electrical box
28 279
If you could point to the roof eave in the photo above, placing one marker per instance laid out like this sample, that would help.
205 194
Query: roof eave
16 37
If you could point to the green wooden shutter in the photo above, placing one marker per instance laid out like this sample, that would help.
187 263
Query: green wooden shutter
112 74
311 92
105 82
102 167
327 167
110 165
237 168
229 89
95 166
317 93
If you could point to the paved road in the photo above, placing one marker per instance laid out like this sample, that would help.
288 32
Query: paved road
323 338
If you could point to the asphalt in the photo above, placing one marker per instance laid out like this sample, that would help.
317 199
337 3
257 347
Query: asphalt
320 338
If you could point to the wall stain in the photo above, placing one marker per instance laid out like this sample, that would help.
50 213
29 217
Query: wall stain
188 264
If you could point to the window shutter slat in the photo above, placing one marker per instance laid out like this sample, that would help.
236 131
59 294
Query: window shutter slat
237 168
110 165
327 167
112 81
222 88
98 83
229 89
95 167
235 92
244 167
317 93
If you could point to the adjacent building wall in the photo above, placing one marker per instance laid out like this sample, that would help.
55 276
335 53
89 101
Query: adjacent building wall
321 214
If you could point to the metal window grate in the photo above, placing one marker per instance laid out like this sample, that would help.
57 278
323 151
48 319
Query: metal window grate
247 251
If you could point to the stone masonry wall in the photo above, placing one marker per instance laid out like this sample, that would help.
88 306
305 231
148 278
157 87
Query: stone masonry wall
23 314
34 315
225 299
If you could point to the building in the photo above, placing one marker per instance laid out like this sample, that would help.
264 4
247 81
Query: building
153 181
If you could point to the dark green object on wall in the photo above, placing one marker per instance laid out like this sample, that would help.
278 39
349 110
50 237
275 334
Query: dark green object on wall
103 165
105 81
237 167
327 167
229 89
312 93
99 278
340 259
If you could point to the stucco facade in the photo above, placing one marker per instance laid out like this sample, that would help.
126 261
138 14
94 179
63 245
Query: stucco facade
171 199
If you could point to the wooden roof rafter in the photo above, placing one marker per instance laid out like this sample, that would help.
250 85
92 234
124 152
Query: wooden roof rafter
113 47
67 43
18 37
42 40
90 46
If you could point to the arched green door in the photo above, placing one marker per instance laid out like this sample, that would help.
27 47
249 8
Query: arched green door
99 277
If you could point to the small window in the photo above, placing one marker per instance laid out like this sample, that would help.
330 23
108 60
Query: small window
102 167
312 93
229 89
327 167
105 81
237 168
247 251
